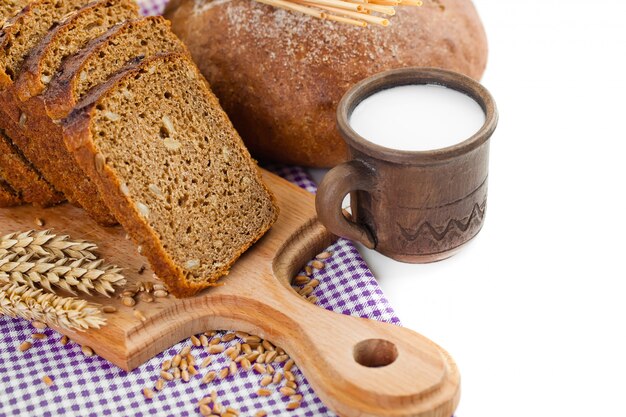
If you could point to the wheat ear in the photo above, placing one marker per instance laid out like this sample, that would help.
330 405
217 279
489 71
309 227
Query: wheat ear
68 274
45 243
35 305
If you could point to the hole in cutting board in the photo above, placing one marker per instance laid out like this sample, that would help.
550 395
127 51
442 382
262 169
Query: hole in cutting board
375 353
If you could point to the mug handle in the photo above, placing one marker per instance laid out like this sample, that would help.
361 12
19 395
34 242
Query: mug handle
343 179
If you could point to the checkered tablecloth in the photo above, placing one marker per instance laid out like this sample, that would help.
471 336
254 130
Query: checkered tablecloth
91 386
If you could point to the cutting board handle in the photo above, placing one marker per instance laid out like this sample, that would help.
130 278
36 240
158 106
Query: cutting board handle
358 367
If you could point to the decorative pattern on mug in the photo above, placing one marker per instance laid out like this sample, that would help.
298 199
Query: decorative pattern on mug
432 239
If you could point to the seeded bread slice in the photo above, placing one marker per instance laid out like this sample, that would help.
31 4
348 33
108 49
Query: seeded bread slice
106 55
173 169
8 196
45 59
9 8
34 140
24 180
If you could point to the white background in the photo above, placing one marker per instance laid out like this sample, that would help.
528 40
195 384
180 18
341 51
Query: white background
534 309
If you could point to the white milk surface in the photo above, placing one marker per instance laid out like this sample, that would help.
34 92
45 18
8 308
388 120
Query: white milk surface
417 117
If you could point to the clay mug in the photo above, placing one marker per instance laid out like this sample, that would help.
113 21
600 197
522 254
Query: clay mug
412 206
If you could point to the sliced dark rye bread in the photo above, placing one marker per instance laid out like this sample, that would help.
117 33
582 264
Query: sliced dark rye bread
9 8
23 177
67 39
25 181
169 163
54 161
106 55
8 198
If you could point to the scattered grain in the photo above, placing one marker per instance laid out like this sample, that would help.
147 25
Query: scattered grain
176 360
245 364
318 264
297 397
185 351
40 222
314 283
324 255
206 362
64 340
289 376
305 291
192 370
216 349
246 348
38 336
260 369
47 380
215 341
281 358
139 314
160 294
87 351
128 301
270 369
177 373
160 384
25 346
166 376
205 410
252 339
293 405
291 384
270 356
266 381
223 373
232 368
308 270
209 377
148 393
287 391
39 325
264 392
260 413
277 378
301 280
185 375
109 309
241 335
288 365
204 341
195 341
228 337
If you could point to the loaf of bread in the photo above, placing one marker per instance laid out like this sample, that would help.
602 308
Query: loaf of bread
173 170
42 61
280 75
19 176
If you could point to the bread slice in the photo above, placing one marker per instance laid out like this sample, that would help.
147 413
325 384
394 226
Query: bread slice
88 23
35 140
23 177
26 30
106 55
173 170
9 8
8 196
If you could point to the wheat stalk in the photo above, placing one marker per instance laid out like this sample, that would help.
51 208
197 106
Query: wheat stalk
44 243
66 273
35 305
352 12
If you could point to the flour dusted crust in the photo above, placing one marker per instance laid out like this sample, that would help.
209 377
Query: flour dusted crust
280 75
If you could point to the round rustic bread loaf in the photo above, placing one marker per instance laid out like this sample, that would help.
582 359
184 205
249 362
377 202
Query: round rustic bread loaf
280 75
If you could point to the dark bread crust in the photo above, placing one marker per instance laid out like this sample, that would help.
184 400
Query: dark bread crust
77 131
59 97
280 75
29 83
22 176
8 197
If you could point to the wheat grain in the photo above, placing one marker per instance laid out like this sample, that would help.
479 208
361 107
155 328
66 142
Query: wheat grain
25 346
324 255
264 392
68 274
33 304
44 243
47 380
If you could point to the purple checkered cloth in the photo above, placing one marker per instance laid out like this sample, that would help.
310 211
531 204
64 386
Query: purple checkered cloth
91 386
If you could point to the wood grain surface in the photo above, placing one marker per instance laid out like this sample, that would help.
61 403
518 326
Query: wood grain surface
358 367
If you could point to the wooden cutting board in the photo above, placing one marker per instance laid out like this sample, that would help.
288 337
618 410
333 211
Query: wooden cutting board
357 367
